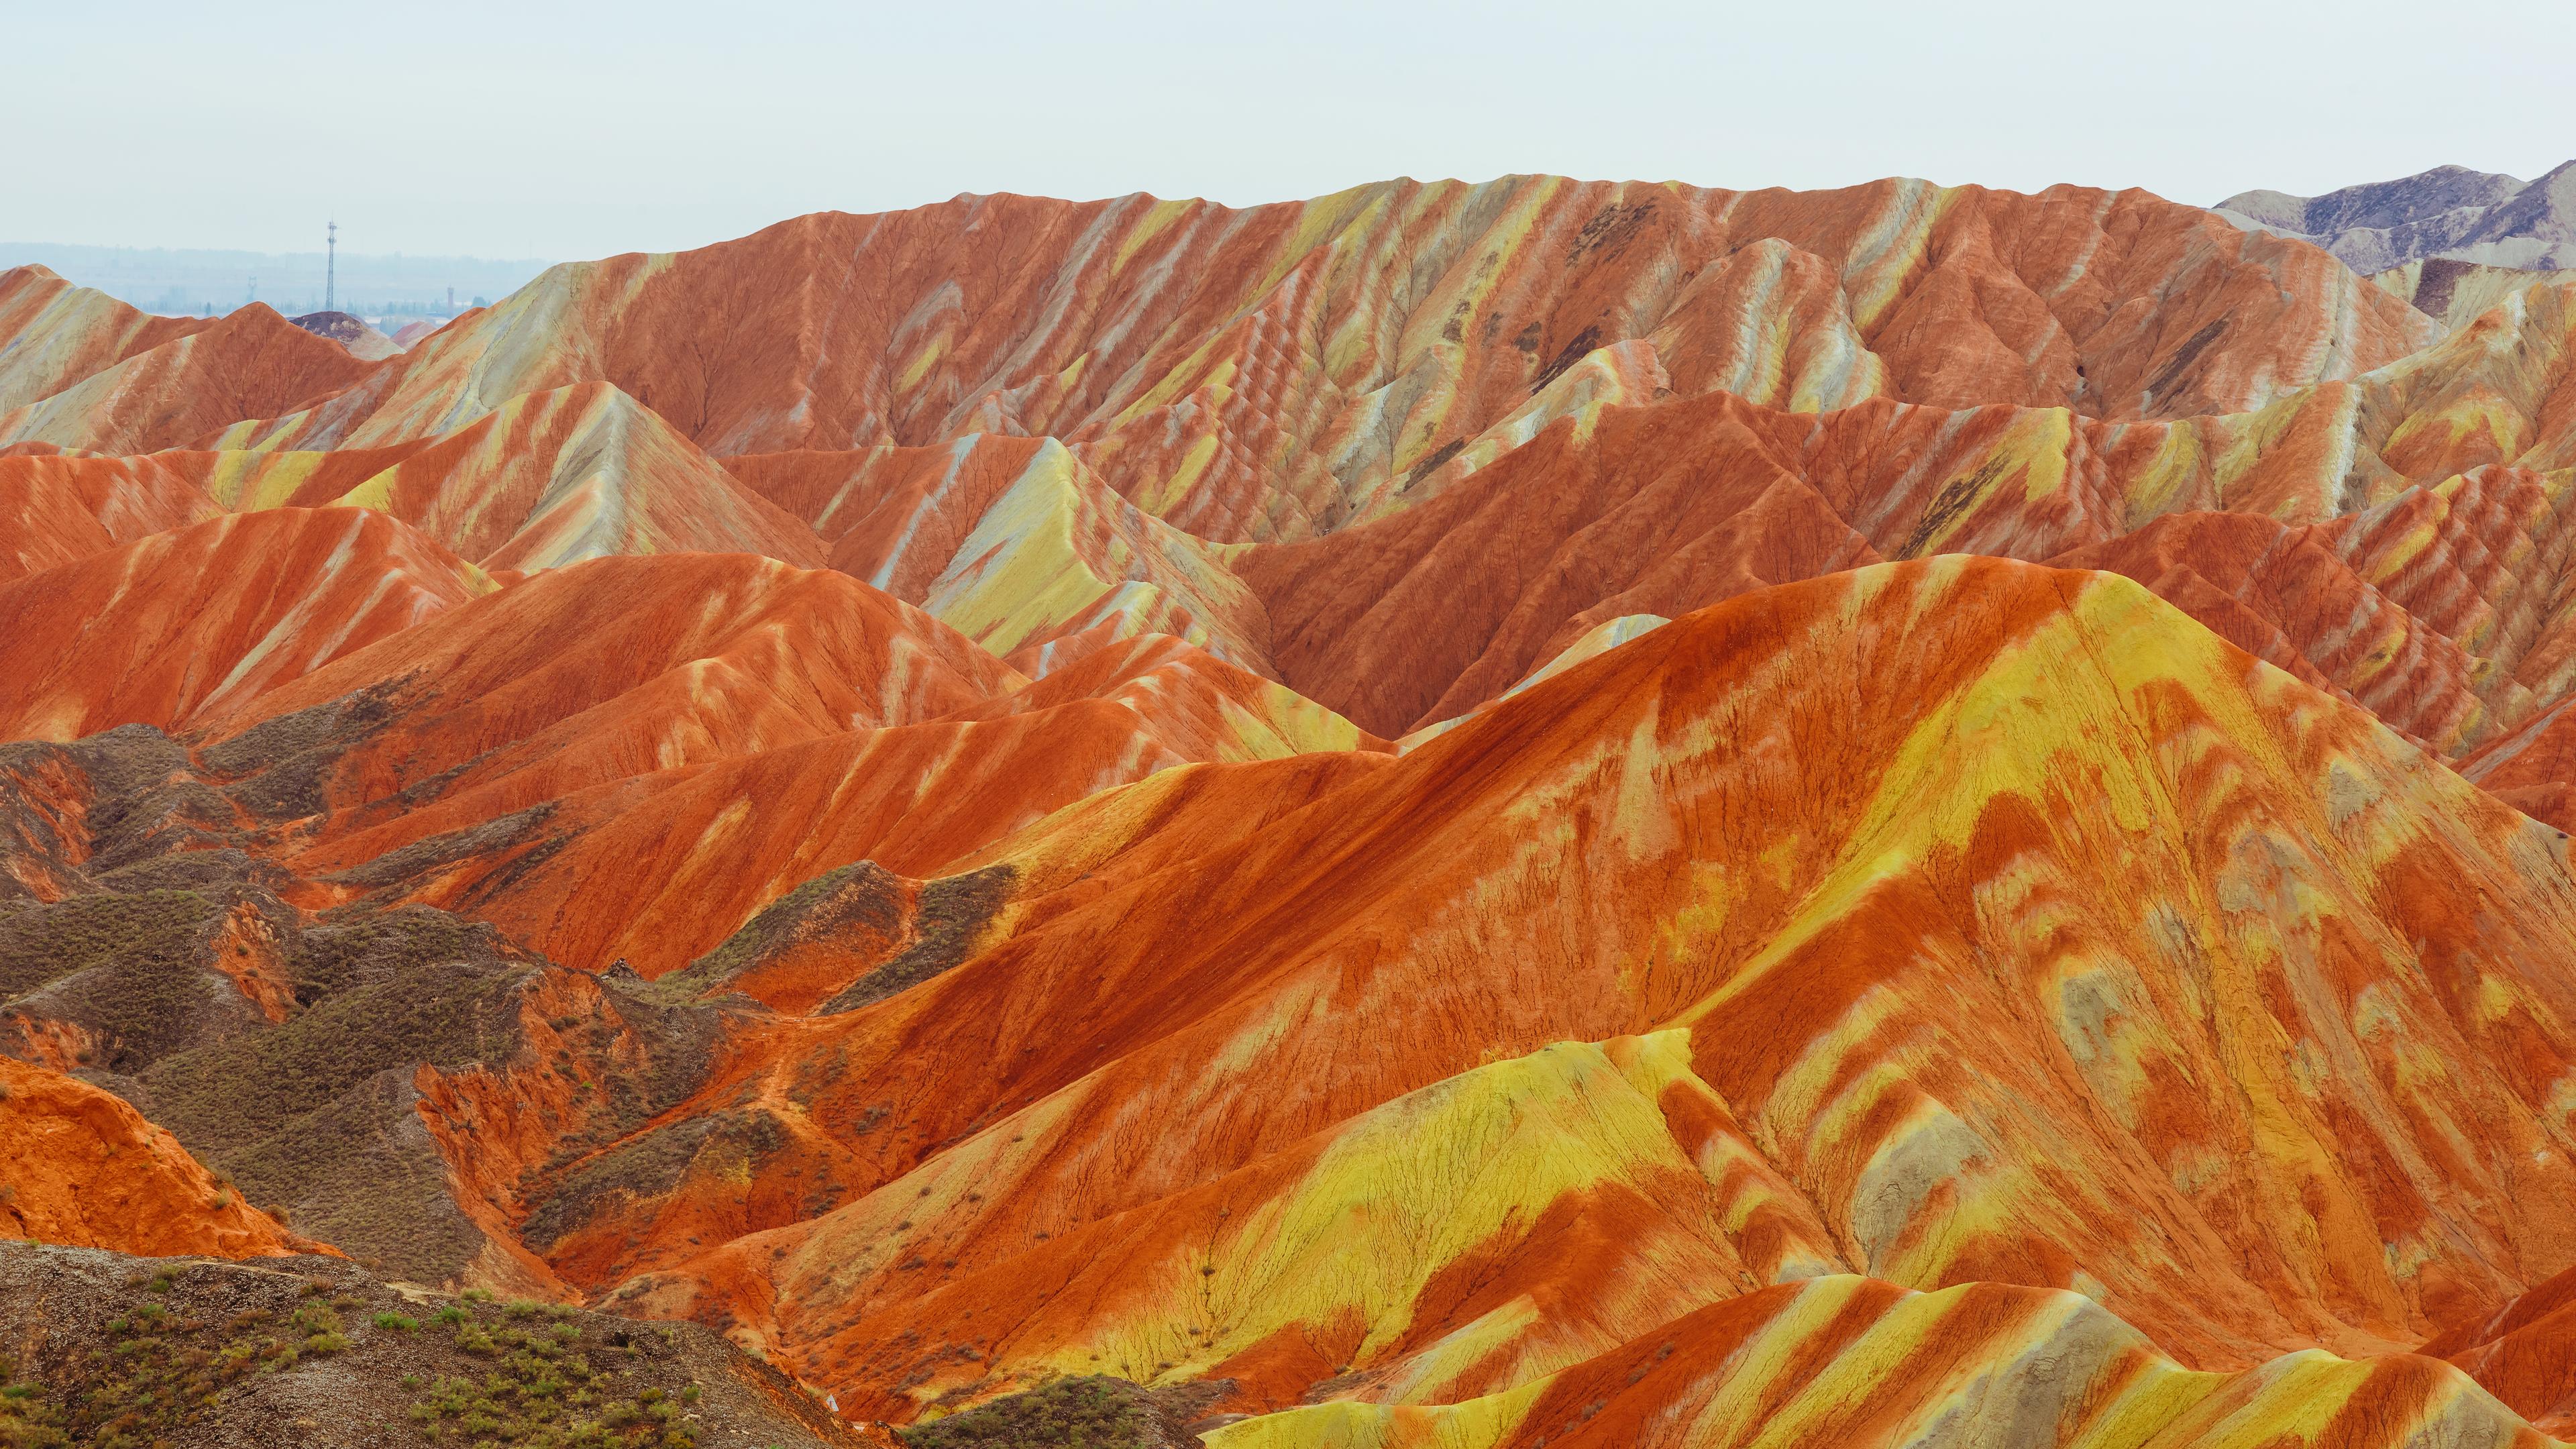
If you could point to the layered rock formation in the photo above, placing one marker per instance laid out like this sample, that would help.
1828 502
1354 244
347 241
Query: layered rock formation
1264 373
2454 293
244 363
54 509
1450 815
1718 1139
53 334
2524 1353
182 625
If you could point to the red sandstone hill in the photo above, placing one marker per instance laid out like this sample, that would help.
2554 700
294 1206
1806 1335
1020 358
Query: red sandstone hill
680 659
1768 906
2524 1353
1703 962
577 473
746 726
838 786
53 334
183 625
246 363
1268 372
54 509
85 1168
2398 498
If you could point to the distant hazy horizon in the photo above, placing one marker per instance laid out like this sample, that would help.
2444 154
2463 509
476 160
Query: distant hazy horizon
584 129
191 281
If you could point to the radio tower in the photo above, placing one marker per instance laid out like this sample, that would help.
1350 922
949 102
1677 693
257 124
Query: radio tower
331 267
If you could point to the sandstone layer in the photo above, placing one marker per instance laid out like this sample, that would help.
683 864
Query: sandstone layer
1450 815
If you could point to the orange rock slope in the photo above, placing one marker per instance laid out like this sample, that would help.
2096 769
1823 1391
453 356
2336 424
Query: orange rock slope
182 624
83 1167
54 509
742 727
1264 373
2524 1353
1835 982
242 364
1450 815
53 334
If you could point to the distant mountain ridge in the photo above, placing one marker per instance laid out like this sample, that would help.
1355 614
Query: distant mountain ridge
2450 212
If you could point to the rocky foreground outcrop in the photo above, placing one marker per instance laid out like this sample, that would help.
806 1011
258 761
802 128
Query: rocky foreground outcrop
194 1353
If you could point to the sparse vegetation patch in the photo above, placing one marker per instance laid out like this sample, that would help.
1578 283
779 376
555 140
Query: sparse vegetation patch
552 1384
159 1370
124 1353
1093 1411
128 963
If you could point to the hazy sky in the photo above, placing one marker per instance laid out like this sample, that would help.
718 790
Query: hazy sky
572 130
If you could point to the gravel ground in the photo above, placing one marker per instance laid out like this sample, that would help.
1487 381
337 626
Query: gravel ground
106 1349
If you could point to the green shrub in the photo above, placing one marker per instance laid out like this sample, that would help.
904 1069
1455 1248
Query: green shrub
1093 1411
161 1374
544 1393
27 1419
